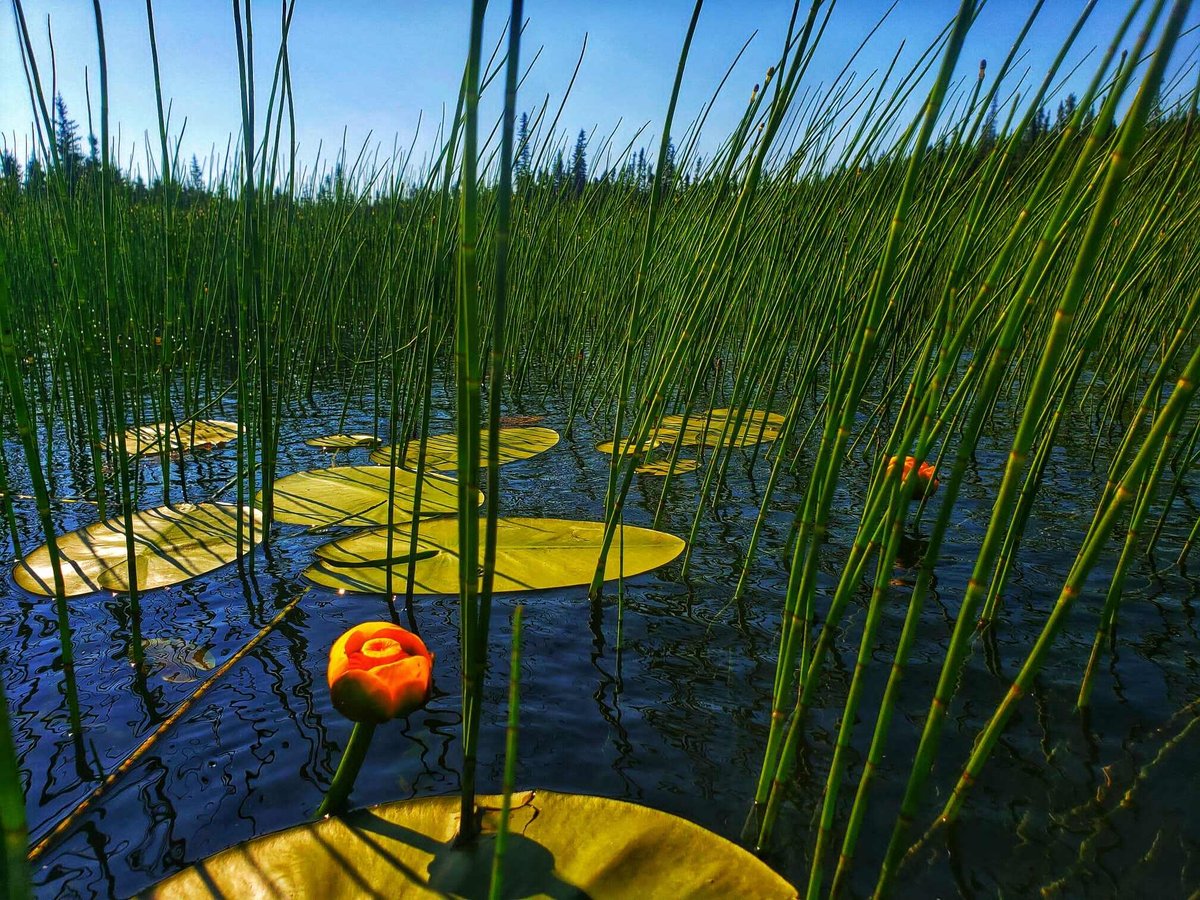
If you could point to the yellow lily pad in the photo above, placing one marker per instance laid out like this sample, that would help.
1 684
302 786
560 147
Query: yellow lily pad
171 544
610 447
358 496
343 441
559 845
708 427
441 450
531 555
705 427
664 466
197 434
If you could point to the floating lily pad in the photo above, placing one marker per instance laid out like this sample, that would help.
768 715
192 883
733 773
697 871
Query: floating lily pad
171 544
531 554
441 450
610 447
343 441
559 845
664 466
197 434
709 427
358 496
712 428
177 660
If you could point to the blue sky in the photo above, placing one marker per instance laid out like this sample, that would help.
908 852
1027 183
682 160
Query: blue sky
371 67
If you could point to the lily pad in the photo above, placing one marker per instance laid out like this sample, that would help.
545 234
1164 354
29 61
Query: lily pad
559 845
358 496
531 554
177 660
171 544
664 466
343 441
708 427
441 450
610 447
197 434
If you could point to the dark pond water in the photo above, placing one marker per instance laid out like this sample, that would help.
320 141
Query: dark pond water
675 718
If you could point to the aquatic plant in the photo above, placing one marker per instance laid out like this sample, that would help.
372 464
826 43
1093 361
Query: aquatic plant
377 672
843 283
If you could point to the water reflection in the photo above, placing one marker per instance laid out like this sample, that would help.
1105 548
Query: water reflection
674 717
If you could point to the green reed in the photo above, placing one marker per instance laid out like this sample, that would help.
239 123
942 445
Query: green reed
933 285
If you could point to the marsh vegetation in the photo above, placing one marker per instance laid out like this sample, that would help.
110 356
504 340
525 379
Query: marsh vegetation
664 407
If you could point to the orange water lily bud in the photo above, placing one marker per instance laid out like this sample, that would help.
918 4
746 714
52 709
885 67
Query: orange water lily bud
379 671
927 481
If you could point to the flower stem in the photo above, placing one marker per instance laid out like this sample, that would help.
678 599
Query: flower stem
347 770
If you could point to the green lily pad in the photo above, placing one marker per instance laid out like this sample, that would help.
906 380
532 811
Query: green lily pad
531 555
662 467
171 544
441 450
197 434
343 441
712 428
709 427
357 496
559 845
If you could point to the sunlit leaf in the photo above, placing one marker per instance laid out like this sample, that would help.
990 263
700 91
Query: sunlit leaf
441 450
712 428
559 845
664 466
343 441
531 554
609 447
197 434
171 544
358 496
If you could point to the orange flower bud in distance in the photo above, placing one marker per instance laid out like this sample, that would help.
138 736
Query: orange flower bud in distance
927 481
378 671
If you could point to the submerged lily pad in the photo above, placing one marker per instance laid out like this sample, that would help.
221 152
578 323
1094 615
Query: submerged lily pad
559 845
358 496
664 466
343 441
197 434
531 554
441 450
171 544
711 428
177 660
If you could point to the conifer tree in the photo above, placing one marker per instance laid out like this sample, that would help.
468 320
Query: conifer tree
524 164
579 164
66 139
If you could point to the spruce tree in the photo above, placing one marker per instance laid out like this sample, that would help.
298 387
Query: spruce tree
579 164
10 170
66 140
524 164
195 176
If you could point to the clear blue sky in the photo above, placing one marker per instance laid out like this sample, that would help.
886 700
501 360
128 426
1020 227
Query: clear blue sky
371 67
